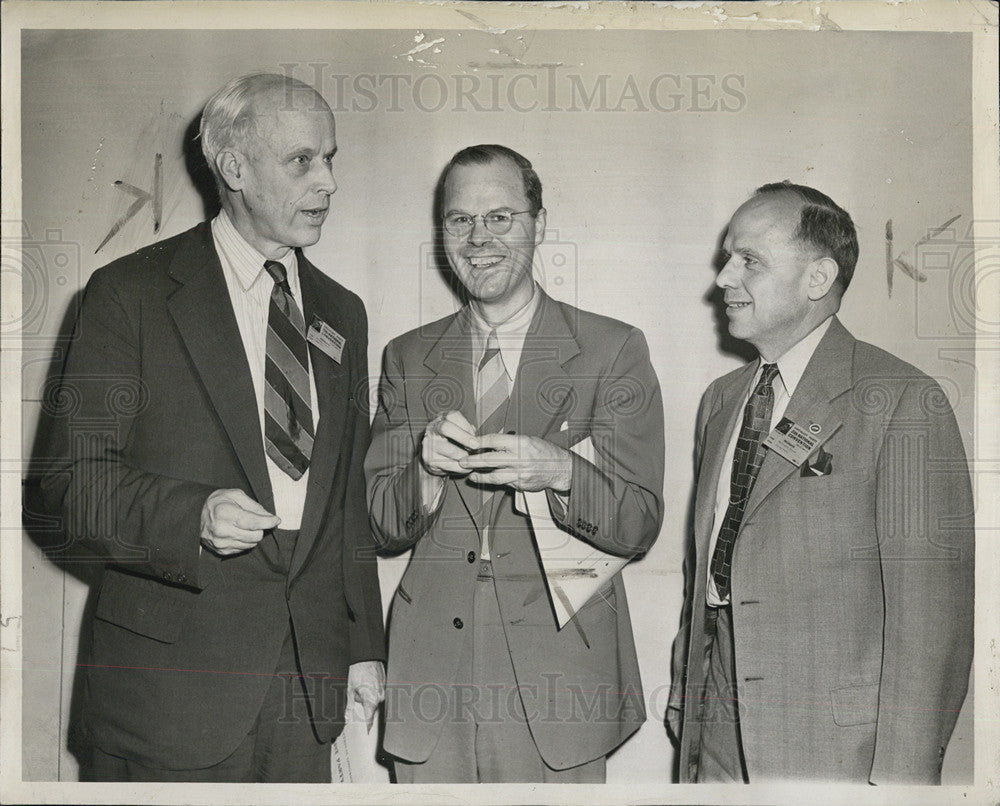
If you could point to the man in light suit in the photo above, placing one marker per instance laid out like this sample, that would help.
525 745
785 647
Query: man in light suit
827 630
210 433
484 687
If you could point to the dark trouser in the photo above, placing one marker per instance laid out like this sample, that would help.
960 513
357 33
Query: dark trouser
281 746
721 753
485 738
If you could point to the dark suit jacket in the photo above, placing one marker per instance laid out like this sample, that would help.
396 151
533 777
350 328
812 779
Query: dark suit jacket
156 410
589 372
852 593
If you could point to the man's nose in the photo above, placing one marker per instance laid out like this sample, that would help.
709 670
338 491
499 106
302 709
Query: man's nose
325 183
729 276
479 234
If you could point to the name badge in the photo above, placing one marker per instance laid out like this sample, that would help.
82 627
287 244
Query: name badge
326 338
793 442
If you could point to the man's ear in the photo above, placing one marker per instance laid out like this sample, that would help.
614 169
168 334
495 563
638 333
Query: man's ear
822 274
539 226
232 168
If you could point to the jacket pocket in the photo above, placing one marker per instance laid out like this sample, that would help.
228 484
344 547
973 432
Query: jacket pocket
855 705
143 605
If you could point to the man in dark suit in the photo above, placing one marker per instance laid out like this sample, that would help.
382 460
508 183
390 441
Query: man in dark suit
477 406
228 496
827 629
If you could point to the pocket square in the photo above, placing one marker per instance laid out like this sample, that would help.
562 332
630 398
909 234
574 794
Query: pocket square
821 465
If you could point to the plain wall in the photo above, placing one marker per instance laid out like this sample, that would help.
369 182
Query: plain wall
637 198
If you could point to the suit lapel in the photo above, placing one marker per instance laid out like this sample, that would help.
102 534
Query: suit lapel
826 377
451 386
333 394
543 391
203 313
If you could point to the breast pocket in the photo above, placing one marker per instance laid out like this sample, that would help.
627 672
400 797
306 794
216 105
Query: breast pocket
828 502
836 481
143 605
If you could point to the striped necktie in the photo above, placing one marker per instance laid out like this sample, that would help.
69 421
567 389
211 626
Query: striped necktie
288 422
492 393
746 464
492 397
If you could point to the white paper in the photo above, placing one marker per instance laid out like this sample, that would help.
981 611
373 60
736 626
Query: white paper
352 756
574 569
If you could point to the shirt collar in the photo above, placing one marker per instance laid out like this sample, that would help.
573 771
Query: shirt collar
247 263
793 363
510 333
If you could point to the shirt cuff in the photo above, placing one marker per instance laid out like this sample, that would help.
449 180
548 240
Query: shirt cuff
431 492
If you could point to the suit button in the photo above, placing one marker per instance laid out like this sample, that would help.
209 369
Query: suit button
471 556
458 623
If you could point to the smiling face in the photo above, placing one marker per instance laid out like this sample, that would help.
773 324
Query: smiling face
495 269
769 279
280 179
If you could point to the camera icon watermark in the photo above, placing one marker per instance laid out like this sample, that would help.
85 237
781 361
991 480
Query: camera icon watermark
49 270
959 264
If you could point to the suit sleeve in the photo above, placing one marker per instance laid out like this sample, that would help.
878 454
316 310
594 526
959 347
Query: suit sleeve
398 517
147 522
678 667
366 632
926 539
616 503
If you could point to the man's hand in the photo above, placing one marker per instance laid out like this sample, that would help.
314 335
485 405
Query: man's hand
521 463
366 686
231 522
447 440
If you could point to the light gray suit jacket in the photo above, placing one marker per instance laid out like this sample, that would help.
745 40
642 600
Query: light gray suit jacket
852 593
580 685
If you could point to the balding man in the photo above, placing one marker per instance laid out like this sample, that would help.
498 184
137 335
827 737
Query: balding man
228 503
828 620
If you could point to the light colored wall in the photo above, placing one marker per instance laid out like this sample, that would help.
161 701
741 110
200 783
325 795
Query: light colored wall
636 202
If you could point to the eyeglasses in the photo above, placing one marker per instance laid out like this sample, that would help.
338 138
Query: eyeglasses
497 222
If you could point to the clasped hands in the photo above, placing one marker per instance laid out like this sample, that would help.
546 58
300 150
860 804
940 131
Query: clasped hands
451 447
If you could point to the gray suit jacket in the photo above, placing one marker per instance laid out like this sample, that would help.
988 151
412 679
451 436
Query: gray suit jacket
852 593
580 685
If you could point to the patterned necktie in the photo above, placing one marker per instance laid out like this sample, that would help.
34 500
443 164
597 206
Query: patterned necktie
746 464
492 397
492 393
288 423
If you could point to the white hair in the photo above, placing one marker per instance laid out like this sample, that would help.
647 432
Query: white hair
229 116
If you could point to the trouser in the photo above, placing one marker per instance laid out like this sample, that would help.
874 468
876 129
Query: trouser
485 738
720 755
276 750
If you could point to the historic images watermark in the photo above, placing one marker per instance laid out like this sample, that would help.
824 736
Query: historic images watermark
546 88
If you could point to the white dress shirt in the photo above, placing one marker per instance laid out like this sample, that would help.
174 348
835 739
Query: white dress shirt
790 368
250 289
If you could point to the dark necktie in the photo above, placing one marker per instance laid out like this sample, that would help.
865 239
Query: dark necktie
746 464
288 423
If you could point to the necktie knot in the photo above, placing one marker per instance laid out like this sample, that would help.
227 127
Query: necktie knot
767 376
279 274
492 348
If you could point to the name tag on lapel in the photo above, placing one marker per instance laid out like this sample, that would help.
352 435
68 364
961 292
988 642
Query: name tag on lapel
793 442
326 338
